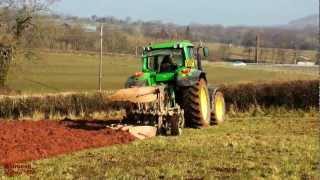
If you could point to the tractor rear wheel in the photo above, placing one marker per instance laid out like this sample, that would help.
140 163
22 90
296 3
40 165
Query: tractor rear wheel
196 105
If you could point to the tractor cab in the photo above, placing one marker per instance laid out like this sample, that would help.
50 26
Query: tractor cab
164 63
167 62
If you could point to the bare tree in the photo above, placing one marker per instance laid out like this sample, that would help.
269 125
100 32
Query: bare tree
5 58
16 16
281 56
225 52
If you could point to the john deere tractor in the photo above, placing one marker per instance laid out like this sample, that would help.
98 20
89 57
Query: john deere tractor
171 91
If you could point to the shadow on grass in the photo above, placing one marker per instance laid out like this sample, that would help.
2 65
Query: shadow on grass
42 84
90 125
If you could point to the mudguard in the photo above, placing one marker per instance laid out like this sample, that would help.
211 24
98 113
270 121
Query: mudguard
190 80
132 82
212 91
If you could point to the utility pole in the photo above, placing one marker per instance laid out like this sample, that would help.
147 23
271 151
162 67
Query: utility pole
101 56
318 53
257 49
136 51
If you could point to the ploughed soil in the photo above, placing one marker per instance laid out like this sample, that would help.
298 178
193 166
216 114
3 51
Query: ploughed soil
24 141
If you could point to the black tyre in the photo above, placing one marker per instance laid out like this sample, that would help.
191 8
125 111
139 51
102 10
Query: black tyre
196 105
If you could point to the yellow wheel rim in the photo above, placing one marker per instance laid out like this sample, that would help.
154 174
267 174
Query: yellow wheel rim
204 103
219 108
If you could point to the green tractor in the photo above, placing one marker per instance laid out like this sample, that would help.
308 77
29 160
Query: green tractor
173 74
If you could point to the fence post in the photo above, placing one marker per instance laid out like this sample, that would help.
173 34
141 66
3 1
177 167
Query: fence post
136 51
257 49
101 56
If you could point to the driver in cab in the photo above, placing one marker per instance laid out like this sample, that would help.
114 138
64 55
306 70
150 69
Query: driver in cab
167 64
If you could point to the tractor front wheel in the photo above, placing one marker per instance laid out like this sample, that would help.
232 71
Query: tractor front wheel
218 108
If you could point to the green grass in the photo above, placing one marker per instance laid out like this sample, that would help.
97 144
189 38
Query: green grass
70 72
274 147
251 148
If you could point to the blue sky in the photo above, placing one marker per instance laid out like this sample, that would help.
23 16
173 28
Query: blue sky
226 12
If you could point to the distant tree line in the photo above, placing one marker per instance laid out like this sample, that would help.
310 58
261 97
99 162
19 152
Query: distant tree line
35 29
272 37
32 28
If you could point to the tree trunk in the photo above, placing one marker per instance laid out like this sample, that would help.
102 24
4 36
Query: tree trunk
5 60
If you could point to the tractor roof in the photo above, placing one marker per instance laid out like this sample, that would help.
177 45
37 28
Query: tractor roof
171 44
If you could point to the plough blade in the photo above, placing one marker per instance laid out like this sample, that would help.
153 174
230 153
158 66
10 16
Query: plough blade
136 95
150 110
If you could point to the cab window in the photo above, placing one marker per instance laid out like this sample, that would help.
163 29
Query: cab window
156 58
192 55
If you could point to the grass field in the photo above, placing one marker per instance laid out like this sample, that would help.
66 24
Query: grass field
265 54
284 146
69 72
246 148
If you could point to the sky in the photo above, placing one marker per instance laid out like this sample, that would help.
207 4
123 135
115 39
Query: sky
225 12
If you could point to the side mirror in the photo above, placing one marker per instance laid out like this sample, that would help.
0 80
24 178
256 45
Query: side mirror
206 52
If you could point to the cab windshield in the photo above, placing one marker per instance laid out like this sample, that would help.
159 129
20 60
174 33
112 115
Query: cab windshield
165 60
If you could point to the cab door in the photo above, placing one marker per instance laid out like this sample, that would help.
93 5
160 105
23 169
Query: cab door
167 74
177 60
165 77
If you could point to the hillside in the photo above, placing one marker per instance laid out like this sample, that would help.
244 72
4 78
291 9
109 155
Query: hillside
308 21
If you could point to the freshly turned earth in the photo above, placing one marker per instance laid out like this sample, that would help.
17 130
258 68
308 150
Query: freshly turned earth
24 141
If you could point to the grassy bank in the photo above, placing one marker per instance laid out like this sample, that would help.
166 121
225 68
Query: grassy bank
242 148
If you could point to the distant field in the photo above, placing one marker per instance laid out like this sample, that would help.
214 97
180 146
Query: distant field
312 70
277 68
70 72
270 55
246 148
